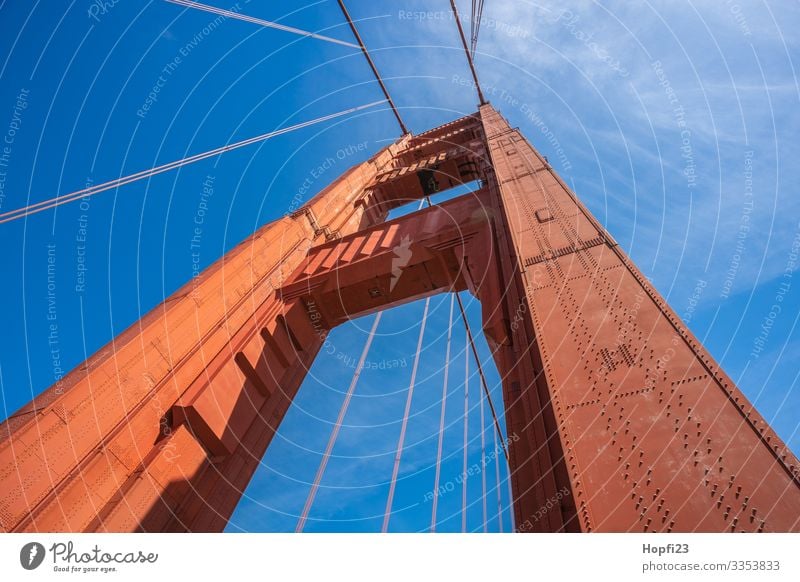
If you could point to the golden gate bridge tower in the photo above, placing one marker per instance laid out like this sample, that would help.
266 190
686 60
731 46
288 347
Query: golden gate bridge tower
607 394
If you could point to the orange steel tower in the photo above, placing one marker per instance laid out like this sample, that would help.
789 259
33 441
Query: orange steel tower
620 420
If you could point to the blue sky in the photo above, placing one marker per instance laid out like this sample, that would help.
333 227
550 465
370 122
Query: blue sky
675 122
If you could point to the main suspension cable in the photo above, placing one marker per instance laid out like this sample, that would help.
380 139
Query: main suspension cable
259 21
336 427
441 419
92 190
481 374
466 52
401 440
372 66
477 17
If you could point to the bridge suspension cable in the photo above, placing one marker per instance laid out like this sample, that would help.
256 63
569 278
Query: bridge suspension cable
301 523
466 51
441 419
466 435
92 190
483 462
482 375
497 484
372 66
259 21
495 434
510 500
475 25
401 440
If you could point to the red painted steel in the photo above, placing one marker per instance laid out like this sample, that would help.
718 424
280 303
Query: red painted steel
618 419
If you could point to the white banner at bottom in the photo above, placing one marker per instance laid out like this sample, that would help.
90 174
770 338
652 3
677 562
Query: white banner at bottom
406 557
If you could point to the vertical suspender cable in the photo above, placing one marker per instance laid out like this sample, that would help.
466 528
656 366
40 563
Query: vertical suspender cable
483 462
441 419
496 433
399 453
472 25
510 500
497 483
466 434
336 427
